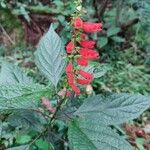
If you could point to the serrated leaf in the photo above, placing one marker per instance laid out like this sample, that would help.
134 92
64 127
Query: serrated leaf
113 31
113 108
11 74
118 39
102 41
49 56
86 135
21 97
27 119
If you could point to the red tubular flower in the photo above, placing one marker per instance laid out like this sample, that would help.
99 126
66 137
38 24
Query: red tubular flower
83 81
89 54
86 75
82 62
70 47
68 93
88 44
92 27
69 68
75 89
71 80
78 23
83 37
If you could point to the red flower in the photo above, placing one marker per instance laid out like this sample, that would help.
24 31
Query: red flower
92 27
68 93
78 23
70 47
83 37
69 68
83 81
71 80
88 44
86 75
89 54
75 89
82 62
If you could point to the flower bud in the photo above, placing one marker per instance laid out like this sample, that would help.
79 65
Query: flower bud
78 23
70 47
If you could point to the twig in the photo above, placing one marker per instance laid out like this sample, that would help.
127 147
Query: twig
6 34
50 122
57 109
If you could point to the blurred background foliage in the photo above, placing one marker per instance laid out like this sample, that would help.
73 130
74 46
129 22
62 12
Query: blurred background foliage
124 44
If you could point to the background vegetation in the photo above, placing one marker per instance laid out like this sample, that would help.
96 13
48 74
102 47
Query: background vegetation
124 47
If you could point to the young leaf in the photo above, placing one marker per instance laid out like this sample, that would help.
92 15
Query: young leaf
87 135
113 31
11 74
114 108
49 56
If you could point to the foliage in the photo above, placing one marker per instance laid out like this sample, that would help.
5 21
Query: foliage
19 93
80 122
50 60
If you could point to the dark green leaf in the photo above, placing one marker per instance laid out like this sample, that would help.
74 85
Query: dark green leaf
49 56
88 135
27 119
118 39
43 145
113 108
113 31
102 41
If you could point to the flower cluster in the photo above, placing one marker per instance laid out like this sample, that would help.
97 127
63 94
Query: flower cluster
80 51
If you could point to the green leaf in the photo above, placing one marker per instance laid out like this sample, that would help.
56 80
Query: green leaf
113 108
98 70
140 142
87 135
11 74
21 97
102 41
27 119
43 145
118 39
23 147
113 31
49 56
23 139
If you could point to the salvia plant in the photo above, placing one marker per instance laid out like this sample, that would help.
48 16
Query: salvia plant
88 124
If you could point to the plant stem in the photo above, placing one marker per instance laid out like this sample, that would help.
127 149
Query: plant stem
6 34
57 109
50 122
